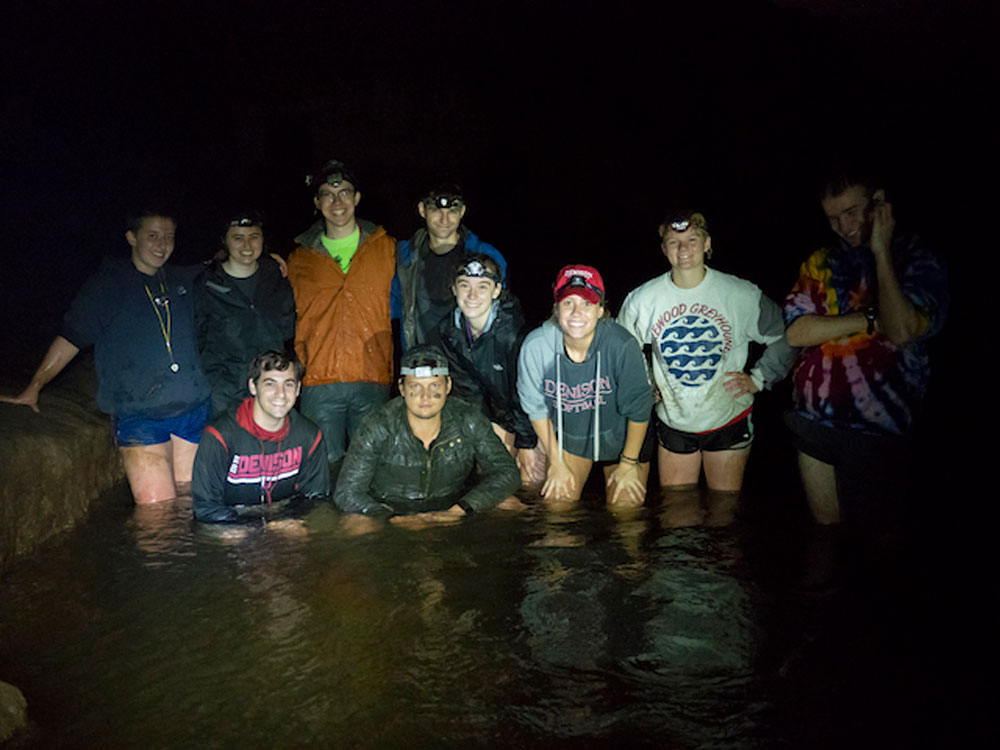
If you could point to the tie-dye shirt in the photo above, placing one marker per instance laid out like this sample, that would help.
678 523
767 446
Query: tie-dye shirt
864 381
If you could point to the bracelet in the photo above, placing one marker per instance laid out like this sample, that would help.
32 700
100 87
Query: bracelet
628 460
870 316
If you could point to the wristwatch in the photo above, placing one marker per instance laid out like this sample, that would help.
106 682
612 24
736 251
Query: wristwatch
870 317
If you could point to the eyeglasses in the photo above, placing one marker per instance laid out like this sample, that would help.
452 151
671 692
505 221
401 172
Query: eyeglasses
344 194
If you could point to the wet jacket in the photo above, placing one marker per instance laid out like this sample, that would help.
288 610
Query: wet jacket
389 472
484 370
409 294
590 403
233 329
241 470
344 334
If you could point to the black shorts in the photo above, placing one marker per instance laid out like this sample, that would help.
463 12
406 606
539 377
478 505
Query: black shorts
873 471
733 436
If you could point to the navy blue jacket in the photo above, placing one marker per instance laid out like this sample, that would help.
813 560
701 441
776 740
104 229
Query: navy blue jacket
115 313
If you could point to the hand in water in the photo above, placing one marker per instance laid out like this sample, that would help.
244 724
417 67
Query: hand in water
628 487
560 482
356 524
430 518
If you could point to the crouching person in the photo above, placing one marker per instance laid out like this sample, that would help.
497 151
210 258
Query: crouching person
424 453
265 460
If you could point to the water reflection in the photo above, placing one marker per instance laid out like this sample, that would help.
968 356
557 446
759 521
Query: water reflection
513 628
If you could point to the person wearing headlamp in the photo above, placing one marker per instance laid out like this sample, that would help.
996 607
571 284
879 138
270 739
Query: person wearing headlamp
422 295
583 384
700 323
482 338
244 306
342 274
425 454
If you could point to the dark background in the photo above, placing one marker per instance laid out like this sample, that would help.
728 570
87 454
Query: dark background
573 126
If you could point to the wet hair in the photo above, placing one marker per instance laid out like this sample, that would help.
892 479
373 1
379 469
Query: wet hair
275 360
135 220
842 178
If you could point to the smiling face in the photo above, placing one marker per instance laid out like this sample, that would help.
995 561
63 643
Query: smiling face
686 250
850 214
442 223
337 204
424 397
578 319
474 296
274 395
152 244
244 245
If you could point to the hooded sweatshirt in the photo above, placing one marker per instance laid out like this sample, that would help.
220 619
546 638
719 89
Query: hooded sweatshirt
590 403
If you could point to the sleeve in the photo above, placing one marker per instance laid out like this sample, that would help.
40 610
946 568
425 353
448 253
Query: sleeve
808 296
924 281
304 325
403 258
498 474
201 312
525 436
628 318
286 314
634 391
529 379
314 478
86 318
778 356
395 298
208 480
354 483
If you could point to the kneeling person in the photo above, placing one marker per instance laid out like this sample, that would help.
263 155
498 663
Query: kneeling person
263 459
424 452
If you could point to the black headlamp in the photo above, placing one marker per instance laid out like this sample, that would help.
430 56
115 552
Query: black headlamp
475 269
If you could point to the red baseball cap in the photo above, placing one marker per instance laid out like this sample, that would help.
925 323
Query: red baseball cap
584 281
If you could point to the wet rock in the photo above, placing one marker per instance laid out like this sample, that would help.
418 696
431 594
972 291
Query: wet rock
53 464
13 711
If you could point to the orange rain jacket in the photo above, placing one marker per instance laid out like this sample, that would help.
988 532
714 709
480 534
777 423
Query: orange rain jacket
344 334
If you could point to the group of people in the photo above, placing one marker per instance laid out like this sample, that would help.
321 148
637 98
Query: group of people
196 366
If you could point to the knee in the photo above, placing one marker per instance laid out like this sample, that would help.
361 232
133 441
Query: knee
682 505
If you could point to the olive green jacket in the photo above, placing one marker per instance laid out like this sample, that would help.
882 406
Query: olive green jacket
389 472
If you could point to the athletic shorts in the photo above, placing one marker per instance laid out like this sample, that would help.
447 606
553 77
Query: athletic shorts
134 431
873 471
733 436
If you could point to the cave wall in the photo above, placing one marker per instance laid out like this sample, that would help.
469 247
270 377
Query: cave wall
53 464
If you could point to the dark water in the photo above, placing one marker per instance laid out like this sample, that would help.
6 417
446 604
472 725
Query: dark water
518 629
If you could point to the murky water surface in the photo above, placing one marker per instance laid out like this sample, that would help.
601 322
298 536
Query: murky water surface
515 629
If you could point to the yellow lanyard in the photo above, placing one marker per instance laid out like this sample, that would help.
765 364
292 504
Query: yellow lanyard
165 328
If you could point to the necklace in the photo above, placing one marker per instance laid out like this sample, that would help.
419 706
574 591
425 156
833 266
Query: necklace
162 300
